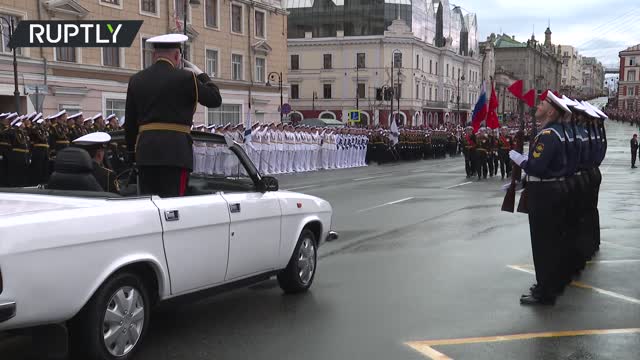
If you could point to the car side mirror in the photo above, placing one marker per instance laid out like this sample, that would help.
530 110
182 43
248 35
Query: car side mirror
268 183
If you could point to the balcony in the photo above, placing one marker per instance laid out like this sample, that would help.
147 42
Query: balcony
435 104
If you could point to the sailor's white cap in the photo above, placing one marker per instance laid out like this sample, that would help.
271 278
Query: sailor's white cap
596 110
89 119
568 101
98 115
558 102
31 116
112 116
16 121
62 112
93 139
37 118
74 116
167 41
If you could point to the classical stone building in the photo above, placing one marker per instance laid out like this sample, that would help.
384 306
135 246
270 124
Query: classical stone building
238 42
629 84
592 78
571 83
341 54
501 80
537 64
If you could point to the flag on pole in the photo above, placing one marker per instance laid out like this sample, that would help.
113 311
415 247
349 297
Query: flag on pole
516 89
530 98
480 110
492 117
393 129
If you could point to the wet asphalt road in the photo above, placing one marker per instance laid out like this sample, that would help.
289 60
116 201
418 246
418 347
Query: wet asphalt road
425 254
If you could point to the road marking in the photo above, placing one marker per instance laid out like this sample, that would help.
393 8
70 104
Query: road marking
385 204
612 261
620 246
300 187
372 177
425 347
584 286
454 186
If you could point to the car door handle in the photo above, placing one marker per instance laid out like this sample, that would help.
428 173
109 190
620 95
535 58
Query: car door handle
234 208
172 215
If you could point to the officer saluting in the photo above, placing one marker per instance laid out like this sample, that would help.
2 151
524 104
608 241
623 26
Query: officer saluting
161 101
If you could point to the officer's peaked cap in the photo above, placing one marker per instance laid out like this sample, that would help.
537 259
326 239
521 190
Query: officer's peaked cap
168 41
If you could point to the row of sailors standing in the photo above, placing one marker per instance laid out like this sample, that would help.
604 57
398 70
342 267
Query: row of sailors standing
563 182
283 148
29 143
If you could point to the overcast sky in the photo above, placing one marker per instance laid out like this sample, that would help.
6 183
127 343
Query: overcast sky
599 28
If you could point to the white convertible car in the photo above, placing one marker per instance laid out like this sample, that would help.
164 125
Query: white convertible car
98 262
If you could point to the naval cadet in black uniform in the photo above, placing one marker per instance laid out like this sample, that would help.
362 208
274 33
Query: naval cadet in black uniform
161 101
547 200
5 148
39 168
19 155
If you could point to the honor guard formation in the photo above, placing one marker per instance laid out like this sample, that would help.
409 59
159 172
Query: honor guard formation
30 143
561 188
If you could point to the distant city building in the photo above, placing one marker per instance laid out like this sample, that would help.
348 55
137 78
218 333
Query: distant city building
629 85
502 79
571 83
592 78
341 54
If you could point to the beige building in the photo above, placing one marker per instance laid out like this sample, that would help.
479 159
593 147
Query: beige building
629 84
95 80
571 83
343 62
592 78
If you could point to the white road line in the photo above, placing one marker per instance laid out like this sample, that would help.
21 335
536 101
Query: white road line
620 246
385 204
372 177
613 261
300 187
454 186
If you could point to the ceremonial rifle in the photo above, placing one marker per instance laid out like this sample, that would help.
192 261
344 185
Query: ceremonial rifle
508 204
522 205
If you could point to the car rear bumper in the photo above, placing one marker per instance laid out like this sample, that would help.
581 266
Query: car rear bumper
331 236
7 310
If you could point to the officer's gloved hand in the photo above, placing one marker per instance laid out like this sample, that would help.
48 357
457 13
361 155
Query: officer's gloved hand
191 67
517 157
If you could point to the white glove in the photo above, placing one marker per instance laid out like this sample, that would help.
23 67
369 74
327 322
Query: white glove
191 67
517 157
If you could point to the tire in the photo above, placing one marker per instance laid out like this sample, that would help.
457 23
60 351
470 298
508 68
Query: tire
298 276
124 297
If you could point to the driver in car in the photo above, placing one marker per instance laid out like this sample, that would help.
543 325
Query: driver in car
96 145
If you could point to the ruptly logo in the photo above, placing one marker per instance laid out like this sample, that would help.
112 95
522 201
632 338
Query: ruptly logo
99 33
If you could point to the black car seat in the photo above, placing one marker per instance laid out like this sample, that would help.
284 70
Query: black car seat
73 170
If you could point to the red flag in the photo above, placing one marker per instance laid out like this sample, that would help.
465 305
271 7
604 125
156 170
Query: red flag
516 89
530 98
492 117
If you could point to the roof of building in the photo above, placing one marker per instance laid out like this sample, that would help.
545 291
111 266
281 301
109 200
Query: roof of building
632 48
505 41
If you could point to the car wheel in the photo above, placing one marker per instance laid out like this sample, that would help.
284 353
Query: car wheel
114 322
298 276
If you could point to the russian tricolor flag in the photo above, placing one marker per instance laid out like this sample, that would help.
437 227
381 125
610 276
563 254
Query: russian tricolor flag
480 110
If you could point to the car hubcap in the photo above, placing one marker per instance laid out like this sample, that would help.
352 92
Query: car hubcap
306 261
123 321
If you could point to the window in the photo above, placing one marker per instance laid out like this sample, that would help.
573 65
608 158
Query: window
632 61
327 91
631 76
236 64
361 60
114 106
4 29
295 62
430 93
226 113
236 18
436 94
417 91
417 61
436 68
212 63
261 65
149 6
564 72
111 2
70 108
147 53
397 60
260 24
631 91
430 66
295 91
361 92
447 70
67 54
327 61
211 13
458 73
111 56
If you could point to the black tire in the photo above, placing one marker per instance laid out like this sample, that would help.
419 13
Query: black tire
86 333
290 279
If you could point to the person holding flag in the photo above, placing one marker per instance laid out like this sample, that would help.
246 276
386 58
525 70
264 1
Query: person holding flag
480 110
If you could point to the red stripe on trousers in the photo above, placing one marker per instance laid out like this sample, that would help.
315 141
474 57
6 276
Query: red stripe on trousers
183 181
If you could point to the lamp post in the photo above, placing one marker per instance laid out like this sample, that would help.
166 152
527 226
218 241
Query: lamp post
357 86
273 76
193 3
313 100
16 93
393 61
458 97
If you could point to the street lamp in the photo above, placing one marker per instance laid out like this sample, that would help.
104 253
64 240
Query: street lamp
272 77
458 98
393 61
313 100
193 3
16 93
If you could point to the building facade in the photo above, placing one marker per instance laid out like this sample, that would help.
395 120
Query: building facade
344 55
592 78
501 80
629 84
237 42
538 65
571 83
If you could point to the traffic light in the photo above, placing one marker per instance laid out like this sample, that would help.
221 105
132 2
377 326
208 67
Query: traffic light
378 94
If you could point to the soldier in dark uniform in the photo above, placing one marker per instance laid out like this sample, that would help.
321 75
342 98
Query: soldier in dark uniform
39 167
19 156
76 126
5 148
547 200
96 145
58 133
482 151
469 150
504 146
98 123
161 101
